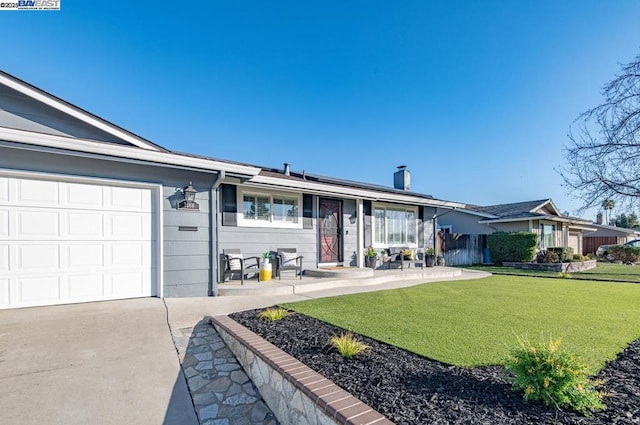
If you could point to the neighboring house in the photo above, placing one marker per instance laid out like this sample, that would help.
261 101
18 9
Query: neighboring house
607 235
541 217
90 211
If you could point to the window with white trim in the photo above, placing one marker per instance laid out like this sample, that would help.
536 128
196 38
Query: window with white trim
269 209
394 225
547 239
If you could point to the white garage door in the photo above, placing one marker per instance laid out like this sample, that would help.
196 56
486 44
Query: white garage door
574 242
66 241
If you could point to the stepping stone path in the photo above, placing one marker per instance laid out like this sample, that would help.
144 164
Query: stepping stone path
221 392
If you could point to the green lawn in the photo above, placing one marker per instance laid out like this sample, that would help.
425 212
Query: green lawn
608 271
604 271
475 322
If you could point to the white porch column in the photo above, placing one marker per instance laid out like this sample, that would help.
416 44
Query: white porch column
360 251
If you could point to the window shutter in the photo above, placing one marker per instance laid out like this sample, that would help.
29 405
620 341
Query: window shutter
307 211
368 231
229 205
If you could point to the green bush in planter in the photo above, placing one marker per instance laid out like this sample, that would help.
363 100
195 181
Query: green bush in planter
547 256
564 253
512 246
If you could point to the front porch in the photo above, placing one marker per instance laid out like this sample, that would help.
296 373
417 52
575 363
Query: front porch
329 278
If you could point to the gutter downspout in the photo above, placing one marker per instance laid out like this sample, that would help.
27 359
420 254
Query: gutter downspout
214 232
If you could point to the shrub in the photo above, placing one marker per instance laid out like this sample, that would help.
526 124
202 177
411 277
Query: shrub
545 373
514 246
547 256
624 253
579 257
348 345
273 313
564 252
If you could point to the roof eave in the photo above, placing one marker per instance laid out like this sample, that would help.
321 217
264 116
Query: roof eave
541 217
113 150
477 213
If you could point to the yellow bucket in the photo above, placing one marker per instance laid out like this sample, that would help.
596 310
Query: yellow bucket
265 274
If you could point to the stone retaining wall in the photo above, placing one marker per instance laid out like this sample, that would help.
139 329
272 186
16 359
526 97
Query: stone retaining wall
296 394
577 266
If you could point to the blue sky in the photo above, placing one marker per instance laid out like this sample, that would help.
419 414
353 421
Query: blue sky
475 97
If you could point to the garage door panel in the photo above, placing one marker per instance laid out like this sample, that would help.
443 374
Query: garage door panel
4 222
4 257
4 292
129 284
34 257
129 199
85 286
129 226
41 224
85 225
81 195
4 190
85 255
130 255
38 290
37 193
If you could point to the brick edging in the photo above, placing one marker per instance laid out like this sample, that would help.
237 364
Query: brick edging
335 402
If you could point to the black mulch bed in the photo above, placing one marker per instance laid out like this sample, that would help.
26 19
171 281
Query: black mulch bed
410 389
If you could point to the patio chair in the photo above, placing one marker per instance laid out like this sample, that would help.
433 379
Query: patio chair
235 262
288 260
403 256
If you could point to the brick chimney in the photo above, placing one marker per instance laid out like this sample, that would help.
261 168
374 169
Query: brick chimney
402 178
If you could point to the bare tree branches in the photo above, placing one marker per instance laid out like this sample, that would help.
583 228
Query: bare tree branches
603 153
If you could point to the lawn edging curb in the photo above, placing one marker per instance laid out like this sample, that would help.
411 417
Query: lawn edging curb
294 393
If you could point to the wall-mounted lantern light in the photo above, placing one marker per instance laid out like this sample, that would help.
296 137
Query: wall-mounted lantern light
189 202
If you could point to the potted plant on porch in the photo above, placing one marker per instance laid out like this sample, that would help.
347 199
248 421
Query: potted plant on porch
430 257
370 257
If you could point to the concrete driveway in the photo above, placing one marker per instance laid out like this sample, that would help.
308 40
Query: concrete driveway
114 362
99 363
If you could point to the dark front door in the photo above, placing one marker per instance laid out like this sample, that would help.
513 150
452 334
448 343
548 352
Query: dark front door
330 230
